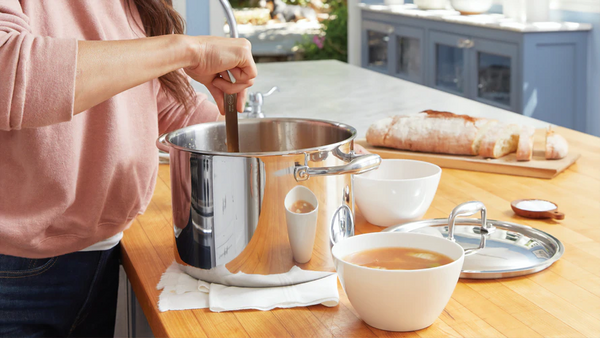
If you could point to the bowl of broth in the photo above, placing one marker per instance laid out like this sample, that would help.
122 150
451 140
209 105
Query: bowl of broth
398 281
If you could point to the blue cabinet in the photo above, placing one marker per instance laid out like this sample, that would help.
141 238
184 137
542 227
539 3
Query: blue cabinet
376 52
393 49
475 68
493 73
479 69
538 74
448 62
407 53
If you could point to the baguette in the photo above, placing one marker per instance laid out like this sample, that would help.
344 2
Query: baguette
430 131
500 140
378 131
556 146
525 147
484 130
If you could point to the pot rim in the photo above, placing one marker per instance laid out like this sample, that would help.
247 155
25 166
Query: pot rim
165 139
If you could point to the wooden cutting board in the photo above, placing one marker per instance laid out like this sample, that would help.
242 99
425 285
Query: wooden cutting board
538 166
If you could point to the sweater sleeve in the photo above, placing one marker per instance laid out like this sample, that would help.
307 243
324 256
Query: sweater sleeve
37 73
172 114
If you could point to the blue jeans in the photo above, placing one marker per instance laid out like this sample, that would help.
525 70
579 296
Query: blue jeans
71 295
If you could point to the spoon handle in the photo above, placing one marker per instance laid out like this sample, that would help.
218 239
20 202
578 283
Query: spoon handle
231 118
231 123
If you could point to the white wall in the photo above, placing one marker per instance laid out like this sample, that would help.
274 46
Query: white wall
180 6
354 33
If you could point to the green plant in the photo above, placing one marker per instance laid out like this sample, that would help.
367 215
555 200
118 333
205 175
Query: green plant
241 3
303 3
333 43
254 3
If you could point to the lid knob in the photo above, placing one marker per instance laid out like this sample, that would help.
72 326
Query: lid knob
468 209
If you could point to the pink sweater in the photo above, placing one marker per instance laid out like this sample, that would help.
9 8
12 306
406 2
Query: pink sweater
67 182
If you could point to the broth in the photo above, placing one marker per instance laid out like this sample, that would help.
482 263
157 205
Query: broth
397 258
301 207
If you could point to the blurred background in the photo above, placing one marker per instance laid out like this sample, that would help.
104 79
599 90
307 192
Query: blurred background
279 30
539 58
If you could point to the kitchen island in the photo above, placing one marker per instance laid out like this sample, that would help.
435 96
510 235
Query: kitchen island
563 300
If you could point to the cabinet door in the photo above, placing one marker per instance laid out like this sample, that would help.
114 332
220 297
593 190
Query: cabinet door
376 49
448 54
408 53
494 73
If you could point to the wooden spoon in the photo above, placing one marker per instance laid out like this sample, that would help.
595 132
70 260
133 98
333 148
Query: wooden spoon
231 118
231 123
543 210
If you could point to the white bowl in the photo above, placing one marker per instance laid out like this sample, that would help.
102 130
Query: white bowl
399 191
471 6
398 300
431 4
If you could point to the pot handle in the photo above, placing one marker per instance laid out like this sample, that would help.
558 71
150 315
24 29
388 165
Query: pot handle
342 225
161 143
468 209
357 165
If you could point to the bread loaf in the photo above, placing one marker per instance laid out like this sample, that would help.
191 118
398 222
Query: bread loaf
430 131
556 145
525 147
500 140
378 131
448 133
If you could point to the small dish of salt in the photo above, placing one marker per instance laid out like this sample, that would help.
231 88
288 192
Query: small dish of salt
536 208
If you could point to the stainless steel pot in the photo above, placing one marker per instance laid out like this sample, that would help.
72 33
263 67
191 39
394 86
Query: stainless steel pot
228 208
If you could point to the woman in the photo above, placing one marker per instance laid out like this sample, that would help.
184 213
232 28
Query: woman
84 93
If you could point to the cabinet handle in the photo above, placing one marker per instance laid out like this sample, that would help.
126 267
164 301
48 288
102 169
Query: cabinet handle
465 43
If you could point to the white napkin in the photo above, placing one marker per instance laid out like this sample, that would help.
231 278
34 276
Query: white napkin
220 275
183 292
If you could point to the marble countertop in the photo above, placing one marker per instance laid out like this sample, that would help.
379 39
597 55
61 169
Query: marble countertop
494 21
336 91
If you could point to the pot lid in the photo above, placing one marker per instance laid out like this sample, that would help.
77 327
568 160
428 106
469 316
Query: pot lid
493 249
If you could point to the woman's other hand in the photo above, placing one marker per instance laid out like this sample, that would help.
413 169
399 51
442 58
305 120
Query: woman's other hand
211 57
360 150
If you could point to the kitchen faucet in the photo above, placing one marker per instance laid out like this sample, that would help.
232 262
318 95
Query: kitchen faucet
254 105
233 31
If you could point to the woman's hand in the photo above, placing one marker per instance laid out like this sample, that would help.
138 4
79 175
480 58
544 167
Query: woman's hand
211 57
360 150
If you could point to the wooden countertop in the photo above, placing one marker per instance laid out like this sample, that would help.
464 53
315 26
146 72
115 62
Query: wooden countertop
563 300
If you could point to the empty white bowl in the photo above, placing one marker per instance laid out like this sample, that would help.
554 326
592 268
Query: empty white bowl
399 191
471 6
431 4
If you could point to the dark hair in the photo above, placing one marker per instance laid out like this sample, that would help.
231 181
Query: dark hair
159 18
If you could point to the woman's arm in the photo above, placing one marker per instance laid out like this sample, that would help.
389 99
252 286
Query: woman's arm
44 80
106 68
173 115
